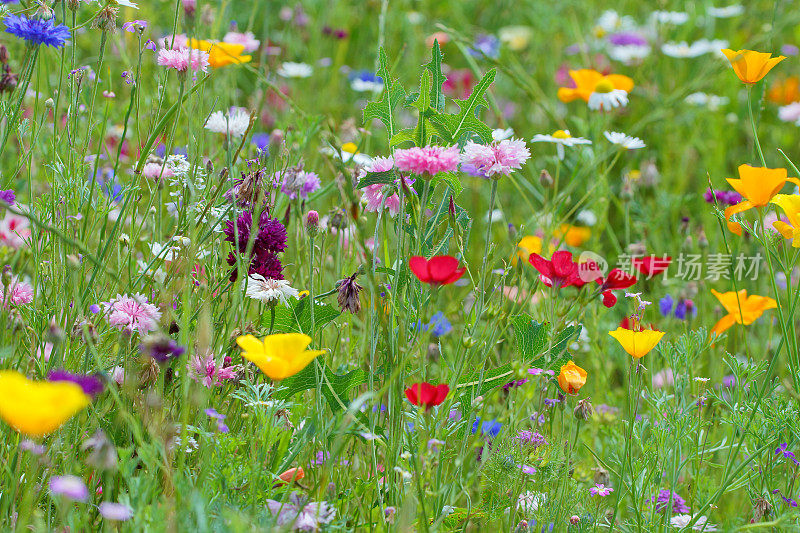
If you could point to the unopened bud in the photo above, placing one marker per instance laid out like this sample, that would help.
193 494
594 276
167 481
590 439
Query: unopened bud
546 179
49 103
584 410
702 240
312 222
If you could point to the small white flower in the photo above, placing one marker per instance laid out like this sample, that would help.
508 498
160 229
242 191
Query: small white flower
290 69
587 218
701 380
629 53
233 123
364 86
711 101
560 138
669 17
528 502
501 135
608 100
620 139
682 520
725 12
270 290
127 3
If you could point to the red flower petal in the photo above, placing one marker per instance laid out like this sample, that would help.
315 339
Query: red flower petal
441 393
441 268
455 276
617 279
419 266
541 264
609 300
563 265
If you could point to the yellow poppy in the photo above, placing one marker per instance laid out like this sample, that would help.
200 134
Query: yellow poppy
573 235
757 185
588 81
790 203
751 66
637 343
571 378
530 244
37 408
752 307
221 54
279 356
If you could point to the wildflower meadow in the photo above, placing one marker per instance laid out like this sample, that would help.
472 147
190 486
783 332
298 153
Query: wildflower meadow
399 265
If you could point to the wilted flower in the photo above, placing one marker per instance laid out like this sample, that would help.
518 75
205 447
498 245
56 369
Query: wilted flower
348 294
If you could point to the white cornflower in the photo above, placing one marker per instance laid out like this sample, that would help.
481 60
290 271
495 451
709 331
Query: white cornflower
560 138
270 290
290 69
234 123
620 139
725 12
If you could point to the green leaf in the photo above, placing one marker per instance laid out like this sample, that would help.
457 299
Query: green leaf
297 318
457 124
374 178
402 136
335 387
531 336
438 78
392 94
423 103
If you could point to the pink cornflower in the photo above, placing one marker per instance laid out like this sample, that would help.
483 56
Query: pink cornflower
429 160
183 59
153 171
203 368
497 158
132 313
14 231
17 293
248 40
374 193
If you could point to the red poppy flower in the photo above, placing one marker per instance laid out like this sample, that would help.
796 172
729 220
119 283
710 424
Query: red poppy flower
438 270
427 394
562 271
616 279
651 265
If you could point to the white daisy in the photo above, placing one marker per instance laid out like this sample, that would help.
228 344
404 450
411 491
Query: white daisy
682 520
607 100
683 49
269 290
711 101
620 139
234 123
560 138
290 69
629 53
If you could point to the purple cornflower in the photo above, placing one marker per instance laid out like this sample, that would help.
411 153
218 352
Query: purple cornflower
91 384
600 490
135 26
218 417
550 402
662 500
302 515
71 487
268 243
8 197
36 31
161 348
627 39
485 44
665 305
511 384
723 197
532 438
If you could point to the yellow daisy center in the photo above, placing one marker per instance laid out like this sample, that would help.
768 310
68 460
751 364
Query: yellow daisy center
350 148
561 134
604 86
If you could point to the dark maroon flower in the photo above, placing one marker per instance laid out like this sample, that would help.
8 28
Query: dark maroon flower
268 242
161 348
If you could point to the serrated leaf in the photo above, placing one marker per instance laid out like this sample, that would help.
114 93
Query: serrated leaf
458 124
375 178
393 94
531 336
402 136
437 77
423 103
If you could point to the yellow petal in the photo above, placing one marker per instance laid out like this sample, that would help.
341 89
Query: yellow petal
249 343
37 408
637 343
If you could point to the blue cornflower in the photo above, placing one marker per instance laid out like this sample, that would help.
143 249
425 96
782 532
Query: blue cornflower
488 45
489 427
261 140
665 305
37 31
439 325
365 81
